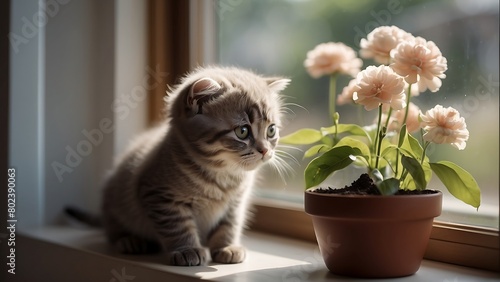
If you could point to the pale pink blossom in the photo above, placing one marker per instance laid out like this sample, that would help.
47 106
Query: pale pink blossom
379 43
379 85
420 61
346 96
445 126
397 118
329 58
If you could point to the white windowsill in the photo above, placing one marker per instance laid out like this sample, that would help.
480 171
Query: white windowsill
62 252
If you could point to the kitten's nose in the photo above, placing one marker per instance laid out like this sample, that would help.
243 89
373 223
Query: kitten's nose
263 151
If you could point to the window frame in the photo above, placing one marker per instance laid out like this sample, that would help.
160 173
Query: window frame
167 20
192 24
459 244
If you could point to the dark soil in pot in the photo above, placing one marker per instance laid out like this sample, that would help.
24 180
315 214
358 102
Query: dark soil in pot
364 186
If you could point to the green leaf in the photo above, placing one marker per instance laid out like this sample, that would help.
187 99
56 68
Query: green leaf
334 159
327 141
316 149
416 171
402 135
409 183
459 182
390 149
377 176
388 187
355 143
354 129
412 146
302 137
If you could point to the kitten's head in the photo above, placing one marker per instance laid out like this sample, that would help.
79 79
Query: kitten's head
230 117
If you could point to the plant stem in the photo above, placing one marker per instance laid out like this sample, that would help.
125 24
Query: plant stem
422 136
333 95
332 100
403 175
388 118
408 96
426 144
378 137
397 163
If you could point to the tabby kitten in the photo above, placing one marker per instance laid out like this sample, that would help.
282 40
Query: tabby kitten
184 186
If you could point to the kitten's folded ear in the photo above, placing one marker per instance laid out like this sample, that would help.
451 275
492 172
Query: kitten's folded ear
277 84
202 91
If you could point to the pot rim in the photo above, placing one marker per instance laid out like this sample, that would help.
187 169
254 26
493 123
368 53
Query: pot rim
310 192
373 206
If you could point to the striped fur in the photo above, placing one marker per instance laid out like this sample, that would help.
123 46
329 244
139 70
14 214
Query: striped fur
184 186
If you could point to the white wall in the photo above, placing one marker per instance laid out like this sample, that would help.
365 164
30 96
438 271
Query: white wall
66 122
26 108
133 76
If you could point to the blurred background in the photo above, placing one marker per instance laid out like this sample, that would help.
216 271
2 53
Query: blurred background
85 77
273 37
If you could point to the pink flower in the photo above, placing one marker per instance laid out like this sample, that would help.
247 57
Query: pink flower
329 58
397 118
346 96
381 41
376 85
445 126
420 61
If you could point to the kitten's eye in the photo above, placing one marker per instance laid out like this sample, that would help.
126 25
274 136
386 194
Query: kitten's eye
271 131
242 132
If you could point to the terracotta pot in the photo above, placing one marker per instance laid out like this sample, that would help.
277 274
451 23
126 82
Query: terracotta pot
373 236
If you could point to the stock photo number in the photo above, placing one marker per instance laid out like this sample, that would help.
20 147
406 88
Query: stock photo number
11 220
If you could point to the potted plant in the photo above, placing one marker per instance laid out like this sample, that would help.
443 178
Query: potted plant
380 226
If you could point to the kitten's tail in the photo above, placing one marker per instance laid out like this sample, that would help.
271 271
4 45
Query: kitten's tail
84 217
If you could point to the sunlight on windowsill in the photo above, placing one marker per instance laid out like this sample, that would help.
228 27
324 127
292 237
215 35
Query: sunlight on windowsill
270 258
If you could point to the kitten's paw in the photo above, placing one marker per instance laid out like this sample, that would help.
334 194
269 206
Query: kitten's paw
229 254
189 257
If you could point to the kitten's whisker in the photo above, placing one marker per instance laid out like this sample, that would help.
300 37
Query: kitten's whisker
282 161
287 168
286 110
279 170
288 154
286 106
282 167
285 155
290 147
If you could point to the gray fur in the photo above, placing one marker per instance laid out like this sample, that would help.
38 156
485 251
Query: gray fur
184 186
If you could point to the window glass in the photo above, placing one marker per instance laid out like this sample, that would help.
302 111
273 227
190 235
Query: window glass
273 37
